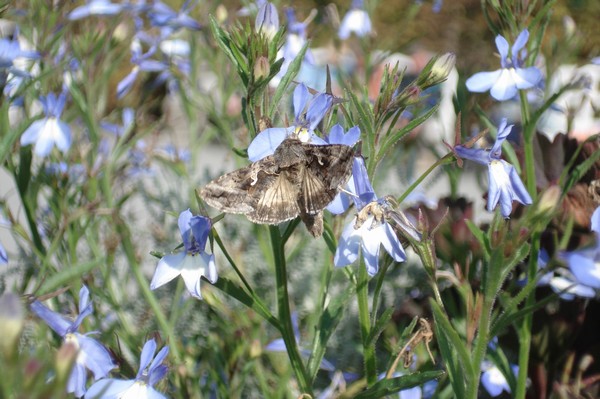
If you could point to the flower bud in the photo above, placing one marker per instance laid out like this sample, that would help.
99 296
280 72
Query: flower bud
11 320
267 20
442 66
261 68
549 199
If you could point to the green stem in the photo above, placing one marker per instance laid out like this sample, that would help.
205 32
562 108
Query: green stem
285 316
446 159
362 294
528 136
525 329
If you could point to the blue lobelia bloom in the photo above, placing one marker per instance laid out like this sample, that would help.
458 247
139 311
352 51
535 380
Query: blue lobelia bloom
193 262
163 16
305 123
505 183
150 372
96 7
341 202
368 229
10 49
585 263
49 131
355 21
505 82
91 355
267 19
141 62
493 380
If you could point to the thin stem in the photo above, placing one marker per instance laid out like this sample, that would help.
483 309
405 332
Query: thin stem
528 136
362 294
525 329
446 159
285 316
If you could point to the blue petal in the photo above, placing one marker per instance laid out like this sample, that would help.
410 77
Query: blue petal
392 245
96 357
494 381
54 320
596 220
108 388
527 77
502 46
410 393
300 99
337 135
267 141
317 109
482 81
585 267
364 189
277 345
3 255
30 136
473 154
340 204
167 269
505 86
154 370
200 226
193 268
503 132
146 356
76 383
371 243
157 373
521 193
519 44
185 230
125 85
348 246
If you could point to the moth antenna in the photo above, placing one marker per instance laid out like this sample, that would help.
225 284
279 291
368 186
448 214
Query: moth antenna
343 190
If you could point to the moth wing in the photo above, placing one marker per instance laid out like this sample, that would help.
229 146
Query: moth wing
239 191
328 168
277 203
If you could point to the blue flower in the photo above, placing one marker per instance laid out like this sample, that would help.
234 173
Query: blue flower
341 202
96 7
128 119
369 229
585 263
505 183
316 107
505 82
356 20
150 372
11 50
267 20
493 380
50 130
92 355
193 262
163 16
142 62
294 42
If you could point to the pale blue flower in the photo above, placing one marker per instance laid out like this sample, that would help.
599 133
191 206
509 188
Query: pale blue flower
494 381
505 183
316 107
163 16
49 131
150 372
192 263
585 263
96 7
127 118
368 230
10 50
505 82
92 355
355 21
267 19
141 62
341 202
294 42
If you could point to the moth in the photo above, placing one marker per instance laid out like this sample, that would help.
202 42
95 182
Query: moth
299 179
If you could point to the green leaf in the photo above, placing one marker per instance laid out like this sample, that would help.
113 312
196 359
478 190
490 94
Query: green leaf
68 275
453 350
397 384
235 291
480 236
